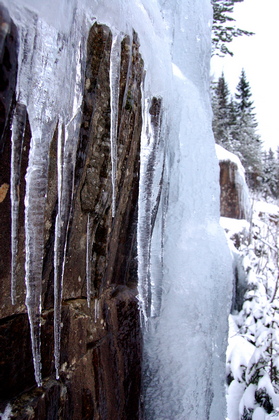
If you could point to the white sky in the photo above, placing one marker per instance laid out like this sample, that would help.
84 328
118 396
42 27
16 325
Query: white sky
259 56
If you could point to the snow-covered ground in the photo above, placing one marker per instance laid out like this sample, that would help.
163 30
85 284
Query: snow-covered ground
252 354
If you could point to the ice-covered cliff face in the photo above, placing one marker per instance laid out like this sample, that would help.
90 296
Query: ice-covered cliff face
183 263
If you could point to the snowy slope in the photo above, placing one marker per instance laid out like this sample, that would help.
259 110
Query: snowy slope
252 354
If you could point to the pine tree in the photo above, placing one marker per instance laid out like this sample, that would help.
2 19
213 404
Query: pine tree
247 141
223 29
270 174
221 114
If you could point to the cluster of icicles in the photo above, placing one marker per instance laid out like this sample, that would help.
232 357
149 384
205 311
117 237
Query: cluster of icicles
35 202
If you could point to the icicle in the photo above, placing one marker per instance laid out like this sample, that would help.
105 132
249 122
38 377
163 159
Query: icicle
66 158
88 259
36 187
68 136
144 223
58 252
96 310
18 130
114 75
151 173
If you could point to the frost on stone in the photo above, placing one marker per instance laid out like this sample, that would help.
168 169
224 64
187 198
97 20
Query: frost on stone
18 130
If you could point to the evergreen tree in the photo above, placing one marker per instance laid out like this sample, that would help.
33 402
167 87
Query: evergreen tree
243 96
247 141
270 174
223 29
235 127
221 115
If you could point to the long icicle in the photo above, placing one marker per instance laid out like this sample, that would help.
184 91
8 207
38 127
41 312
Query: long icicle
151 173
18 130
88 259
66 158
35 198
144 217
114 75
58 259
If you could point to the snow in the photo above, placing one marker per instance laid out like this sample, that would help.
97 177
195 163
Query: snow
265 207
253 339
235 393
233 226
225 155
259 414
184 261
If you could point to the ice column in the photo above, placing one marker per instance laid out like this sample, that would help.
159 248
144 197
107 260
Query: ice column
96 310
68 136
66 157
36 187
88 258
18 130
114 76
59 249
151 173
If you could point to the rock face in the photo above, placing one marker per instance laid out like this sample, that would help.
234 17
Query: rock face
100 375
234 194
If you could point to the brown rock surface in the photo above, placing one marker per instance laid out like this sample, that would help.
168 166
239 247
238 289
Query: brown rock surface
100 374
231 196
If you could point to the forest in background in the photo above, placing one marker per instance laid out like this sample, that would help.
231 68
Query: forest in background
253 346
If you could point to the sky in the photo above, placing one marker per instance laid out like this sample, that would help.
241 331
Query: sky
259 56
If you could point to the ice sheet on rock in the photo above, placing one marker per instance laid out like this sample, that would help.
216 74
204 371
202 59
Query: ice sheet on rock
183 347
18 130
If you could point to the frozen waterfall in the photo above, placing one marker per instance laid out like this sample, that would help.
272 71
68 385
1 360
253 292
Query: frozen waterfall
183 260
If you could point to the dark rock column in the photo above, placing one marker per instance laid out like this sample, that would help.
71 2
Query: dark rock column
231 204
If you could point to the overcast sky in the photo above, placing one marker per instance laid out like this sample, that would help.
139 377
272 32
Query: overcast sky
259 56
